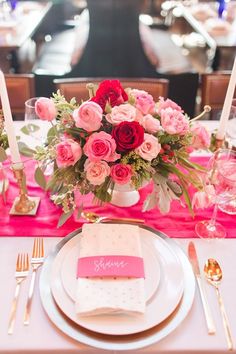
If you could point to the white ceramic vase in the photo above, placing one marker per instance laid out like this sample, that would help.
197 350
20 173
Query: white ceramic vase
125 195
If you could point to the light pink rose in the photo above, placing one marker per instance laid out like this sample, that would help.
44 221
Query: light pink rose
143 101
45 109
204 199
88 116
96 171
121 174
201 136
150 124
174 122
123 112
150 148
164 104
101 146
68 152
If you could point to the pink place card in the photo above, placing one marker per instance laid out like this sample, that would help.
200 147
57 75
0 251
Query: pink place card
110 266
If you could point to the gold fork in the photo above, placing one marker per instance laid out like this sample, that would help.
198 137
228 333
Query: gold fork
22 270
36 261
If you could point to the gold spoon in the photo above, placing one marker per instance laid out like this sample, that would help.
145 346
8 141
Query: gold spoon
214 275
95 218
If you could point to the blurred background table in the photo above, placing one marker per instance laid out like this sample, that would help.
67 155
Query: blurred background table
17 49
196 27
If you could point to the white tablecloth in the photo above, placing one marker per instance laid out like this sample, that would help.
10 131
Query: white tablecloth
41 336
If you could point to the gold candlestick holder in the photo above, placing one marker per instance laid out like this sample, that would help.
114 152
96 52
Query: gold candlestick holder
23 205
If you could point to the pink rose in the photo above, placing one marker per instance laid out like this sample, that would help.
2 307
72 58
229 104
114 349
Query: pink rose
150 148
201 137
150 124
143 101
68 153
204 199
123 112
101 146
88 116
96 172
164 104
45 109
121 174
174 122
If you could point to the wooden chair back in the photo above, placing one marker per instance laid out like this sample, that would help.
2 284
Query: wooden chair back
213 90
76 87
20 88
183 89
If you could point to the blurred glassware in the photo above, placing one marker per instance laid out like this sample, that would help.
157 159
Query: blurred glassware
30 114
37 131
221 174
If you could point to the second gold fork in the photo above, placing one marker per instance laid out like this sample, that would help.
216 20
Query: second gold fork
36 261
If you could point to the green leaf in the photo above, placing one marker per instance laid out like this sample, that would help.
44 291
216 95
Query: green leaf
30 128
64 217
103 196
3 155
190 164
187 197
40 178
51 134
25 150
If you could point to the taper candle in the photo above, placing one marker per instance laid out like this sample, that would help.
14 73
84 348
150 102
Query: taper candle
227 104
9 125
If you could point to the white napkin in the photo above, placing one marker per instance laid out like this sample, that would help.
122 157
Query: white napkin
110 295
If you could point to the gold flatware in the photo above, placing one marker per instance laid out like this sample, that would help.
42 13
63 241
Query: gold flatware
95 218
22 270
36 261
213 273
195 265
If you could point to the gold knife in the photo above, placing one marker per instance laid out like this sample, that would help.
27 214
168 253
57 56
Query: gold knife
192 254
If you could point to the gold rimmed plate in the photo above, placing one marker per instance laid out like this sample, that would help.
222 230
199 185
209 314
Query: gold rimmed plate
117 342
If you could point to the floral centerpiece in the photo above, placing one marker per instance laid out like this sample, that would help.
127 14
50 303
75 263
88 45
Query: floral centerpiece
118 137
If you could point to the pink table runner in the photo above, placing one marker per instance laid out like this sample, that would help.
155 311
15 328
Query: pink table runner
178 223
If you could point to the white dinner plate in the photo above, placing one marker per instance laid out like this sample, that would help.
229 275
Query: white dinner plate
159 307
68 257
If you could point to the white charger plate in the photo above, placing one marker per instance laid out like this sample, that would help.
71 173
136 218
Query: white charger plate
129 342
161 305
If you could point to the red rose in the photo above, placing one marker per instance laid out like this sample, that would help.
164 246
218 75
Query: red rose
128 136
110 91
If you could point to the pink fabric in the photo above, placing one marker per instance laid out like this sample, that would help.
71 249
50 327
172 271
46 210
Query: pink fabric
110 266
177 223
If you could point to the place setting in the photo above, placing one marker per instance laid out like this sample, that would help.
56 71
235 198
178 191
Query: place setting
126 311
